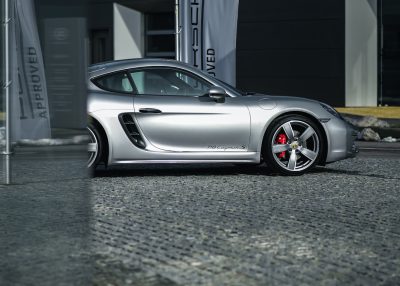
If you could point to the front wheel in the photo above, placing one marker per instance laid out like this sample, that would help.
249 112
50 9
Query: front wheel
293 145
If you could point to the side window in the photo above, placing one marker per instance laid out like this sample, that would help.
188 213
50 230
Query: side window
118 82
162 81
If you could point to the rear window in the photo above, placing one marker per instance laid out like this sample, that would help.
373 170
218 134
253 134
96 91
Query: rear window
117 82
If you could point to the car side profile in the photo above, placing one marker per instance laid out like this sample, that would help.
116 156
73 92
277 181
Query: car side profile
162 111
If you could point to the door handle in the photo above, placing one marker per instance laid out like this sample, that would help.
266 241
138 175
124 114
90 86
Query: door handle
149 110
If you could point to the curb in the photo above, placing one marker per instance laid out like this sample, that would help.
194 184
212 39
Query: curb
378 146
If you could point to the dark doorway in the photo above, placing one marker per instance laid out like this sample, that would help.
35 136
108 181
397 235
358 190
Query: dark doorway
389 52
293 48
101 49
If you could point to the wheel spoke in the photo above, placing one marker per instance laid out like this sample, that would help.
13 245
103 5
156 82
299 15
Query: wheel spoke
308 153
92 147
278 148
307 134
292 161
287 127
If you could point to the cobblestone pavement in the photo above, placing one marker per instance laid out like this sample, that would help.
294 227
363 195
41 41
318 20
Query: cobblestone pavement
199 225
44 218
228 225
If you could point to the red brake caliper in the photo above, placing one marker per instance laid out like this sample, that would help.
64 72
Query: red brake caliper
282 139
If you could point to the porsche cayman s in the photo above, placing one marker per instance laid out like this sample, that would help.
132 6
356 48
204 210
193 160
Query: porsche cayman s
162 111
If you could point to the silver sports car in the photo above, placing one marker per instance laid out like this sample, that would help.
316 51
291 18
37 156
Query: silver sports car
162 111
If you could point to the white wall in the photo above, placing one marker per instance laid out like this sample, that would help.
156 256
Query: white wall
361 53
128 33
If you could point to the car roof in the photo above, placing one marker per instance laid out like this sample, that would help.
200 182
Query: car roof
110 66
104 68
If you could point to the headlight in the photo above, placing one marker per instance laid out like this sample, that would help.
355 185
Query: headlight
331 110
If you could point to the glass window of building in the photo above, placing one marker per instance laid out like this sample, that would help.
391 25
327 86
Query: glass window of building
160 35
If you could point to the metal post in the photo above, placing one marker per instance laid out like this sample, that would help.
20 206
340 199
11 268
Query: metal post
177 31
381 31
7 86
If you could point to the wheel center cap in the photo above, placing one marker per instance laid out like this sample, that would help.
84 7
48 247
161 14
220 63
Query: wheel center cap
294 145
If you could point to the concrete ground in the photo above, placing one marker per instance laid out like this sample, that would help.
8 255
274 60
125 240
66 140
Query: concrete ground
201 224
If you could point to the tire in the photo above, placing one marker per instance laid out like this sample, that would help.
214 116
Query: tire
293 133
95 147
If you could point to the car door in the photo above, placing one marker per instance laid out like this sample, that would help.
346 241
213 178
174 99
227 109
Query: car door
174 115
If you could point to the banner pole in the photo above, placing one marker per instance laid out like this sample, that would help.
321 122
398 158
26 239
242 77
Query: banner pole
7 87
177 32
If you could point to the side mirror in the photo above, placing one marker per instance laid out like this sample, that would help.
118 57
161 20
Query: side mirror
217 93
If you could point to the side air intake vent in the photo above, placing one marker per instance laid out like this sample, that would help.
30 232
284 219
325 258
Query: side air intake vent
131 130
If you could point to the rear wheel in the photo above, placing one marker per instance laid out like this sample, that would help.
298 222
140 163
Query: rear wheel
293 145
95 147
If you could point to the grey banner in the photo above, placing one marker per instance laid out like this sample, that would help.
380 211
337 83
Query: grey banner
29 101
208 36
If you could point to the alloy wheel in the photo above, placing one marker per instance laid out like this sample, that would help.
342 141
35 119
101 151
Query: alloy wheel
295 145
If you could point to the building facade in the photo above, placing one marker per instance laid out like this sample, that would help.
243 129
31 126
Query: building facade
346 53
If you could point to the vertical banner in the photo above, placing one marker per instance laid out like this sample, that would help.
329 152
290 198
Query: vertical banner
29 102
65 53
208 36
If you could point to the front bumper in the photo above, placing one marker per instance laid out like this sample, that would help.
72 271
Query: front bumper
341 139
